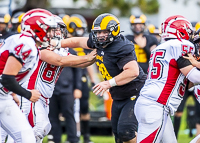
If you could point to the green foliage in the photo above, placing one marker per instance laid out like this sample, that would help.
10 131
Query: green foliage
125 6
149 6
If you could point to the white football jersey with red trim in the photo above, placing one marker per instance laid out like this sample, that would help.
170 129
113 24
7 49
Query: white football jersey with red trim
197 92
23 48
165 83
45 76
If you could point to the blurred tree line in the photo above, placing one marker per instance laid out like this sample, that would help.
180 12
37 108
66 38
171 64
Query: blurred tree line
123 6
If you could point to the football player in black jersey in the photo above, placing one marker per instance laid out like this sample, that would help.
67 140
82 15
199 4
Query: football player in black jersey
123 76
144 43
4 27
118 65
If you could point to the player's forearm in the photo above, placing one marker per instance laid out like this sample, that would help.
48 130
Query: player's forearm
129 73
84 65
125 77
73 61
75 42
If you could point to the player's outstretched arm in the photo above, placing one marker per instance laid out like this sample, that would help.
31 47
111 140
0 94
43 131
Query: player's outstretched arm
70 60
72 42
84 65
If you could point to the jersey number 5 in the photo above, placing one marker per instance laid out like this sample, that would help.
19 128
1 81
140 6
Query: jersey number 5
157 66
186 49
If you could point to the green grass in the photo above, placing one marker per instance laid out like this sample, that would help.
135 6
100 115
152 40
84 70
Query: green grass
96 104
95 139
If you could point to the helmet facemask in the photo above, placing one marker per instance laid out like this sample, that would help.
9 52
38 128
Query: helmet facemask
79 32
136 30
102 41
49 35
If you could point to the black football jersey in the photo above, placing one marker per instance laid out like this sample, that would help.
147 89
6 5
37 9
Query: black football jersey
143 54
111 61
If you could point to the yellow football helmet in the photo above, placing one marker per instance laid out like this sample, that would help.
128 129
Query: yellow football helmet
108 22
138 19
65 18
141 19
154 30
77 25
16 21
5 18
197 26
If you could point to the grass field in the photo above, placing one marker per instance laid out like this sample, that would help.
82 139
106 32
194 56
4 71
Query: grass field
96 104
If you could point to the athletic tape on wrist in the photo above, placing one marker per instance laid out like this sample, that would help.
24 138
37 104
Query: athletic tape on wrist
112 82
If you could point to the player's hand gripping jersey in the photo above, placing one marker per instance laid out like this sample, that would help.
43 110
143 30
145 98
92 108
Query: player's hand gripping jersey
45 76
165 83
24 49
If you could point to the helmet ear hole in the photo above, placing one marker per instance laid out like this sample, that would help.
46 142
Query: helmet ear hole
72 25
182 34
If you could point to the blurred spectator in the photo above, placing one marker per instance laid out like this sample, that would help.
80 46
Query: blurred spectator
4 29
16 21
62 101
154 30
143 43
195 25
77 27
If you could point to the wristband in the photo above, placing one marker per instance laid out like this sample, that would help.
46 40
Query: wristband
112 82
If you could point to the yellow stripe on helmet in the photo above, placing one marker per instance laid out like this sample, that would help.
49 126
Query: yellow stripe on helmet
132 19
7 18
66 19
151 28
77 21
105 22
20 17
141 19
197 26
19 28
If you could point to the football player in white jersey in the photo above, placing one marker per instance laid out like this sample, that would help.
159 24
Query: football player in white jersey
195 62
166 81
18 59
44 79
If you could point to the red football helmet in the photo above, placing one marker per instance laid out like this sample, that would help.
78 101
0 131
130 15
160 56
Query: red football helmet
177 27
36 23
